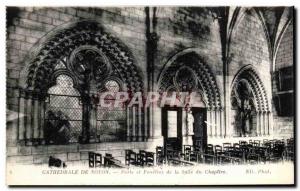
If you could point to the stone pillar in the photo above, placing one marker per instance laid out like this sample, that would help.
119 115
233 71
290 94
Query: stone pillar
157 131
128 117
35 118
21 117
270 124
213 122
258 123
185 126
28 126
86 109
266 123
134 123
223 133
93 123
139 126
151 121
218 124
208 122
185 129
261 123
41 119
145 118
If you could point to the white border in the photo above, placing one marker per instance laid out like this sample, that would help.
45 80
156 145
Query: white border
4 3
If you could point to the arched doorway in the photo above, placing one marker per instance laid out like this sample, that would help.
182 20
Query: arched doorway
195 120
250 112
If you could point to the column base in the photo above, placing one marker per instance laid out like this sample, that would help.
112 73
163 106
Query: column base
187 140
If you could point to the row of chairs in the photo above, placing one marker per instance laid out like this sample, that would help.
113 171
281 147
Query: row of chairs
95 160
141 158
251 152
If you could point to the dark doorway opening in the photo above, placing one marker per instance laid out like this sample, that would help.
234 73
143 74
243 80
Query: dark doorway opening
172 128
200 128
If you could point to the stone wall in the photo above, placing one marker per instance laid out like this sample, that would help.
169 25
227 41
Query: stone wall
178 29
284 126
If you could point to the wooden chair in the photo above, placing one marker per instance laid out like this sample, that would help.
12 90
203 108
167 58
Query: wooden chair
186 151
277 153
265 141
149 160
256 143
243 142
107 162
218 148
91 159
98 160
262 152
250 142
130 157
141 158
236 145
253 158
209 148
193 156
159 155
226 145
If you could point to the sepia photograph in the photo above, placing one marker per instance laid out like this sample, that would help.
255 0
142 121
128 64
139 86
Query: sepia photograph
150 95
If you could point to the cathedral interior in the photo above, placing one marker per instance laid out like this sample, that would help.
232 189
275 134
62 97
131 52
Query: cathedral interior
238 60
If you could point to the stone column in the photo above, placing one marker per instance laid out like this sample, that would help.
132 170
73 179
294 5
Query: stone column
21 117
208 122
86 108
258 123
93 122
128 117
28 126
41 119
262 126
35 118
157 131
218 124
134 123
266 123
139 126
223 134
270 123
145 124
185 130
213 122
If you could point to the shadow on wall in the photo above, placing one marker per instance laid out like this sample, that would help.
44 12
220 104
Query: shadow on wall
11 13
193 17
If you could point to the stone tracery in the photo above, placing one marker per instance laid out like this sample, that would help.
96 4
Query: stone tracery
82 34
87 54
260 99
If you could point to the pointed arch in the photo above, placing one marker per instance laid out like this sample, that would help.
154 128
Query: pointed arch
207 84
249 74
61 43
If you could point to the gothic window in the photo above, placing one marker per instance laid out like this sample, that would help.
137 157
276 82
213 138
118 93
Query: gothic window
111 121
284 97
185 79
63 80
243 109
112 86
63 115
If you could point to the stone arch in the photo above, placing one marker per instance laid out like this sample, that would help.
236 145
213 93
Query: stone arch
207 84
249 74
84 33
42 70
262 114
